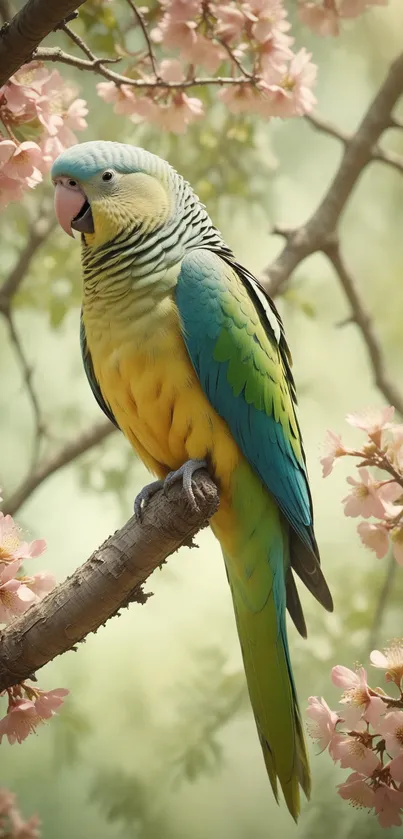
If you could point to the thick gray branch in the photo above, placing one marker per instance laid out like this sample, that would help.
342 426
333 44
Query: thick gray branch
107 582
359 151
27 29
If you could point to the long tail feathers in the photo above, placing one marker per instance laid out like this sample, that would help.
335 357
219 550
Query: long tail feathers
271 688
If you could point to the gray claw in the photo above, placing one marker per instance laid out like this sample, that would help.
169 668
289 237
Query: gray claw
142 499
185 474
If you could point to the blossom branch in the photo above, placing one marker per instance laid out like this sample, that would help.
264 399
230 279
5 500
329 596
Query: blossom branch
359 151
110 579
67 454
27 29
55 54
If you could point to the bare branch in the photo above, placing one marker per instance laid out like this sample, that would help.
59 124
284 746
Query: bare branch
27 373
27 29
325 127
363 320
6 11
39 232
107 582
382 602
388 157
70 452
358 152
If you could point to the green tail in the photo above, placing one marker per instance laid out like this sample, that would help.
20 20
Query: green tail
256 572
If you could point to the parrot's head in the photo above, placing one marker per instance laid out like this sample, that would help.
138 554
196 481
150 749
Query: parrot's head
104 188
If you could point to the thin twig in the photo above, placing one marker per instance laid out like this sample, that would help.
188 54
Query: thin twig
363 320
142 24
108 581
70 452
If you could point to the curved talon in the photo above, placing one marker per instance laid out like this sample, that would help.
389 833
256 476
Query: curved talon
142 499
185 474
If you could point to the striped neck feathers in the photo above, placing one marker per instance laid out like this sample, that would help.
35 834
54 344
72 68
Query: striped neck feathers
144 260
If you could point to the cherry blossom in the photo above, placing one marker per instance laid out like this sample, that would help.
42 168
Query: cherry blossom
390 660
391 728
292 95
322 723
356 790
322 19
21 720
11 545
122 97
15 597
357 695
334 448
372 421
375 537
353 754
366 497
396 768
388 803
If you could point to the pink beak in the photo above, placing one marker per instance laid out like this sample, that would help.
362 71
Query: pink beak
68 203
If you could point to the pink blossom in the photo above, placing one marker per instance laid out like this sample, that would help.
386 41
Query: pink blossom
334 448
24 159
274 54
323 19
322 723
293 96
373 421
352 753
21 720
7 800
356 791
11 545
240 98
122 97
10 190
366 497
74 116
49 701
391 728
22 829
15 598
40 584
396 769
171 70
231 22
357 696
375 537
267 16
179 113
388 804
390 660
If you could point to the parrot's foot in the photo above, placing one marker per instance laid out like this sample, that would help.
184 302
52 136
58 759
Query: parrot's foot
185 474
142 499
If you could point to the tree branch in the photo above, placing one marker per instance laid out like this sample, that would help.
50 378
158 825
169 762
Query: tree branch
364 322
70 451
359 151
141 22
107 582
55 54
39 232
27 29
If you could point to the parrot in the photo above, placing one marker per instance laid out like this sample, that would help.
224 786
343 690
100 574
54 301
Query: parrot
185 352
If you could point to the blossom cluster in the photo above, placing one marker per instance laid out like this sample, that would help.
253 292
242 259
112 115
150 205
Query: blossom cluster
366 735
27 706
324 16
39 112
376 497
247 40
12 825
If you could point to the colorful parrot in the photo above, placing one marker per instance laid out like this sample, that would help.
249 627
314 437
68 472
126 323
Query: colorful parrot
186 354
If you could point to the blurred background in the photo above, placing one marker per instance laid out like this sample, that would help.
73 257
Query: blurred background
157 740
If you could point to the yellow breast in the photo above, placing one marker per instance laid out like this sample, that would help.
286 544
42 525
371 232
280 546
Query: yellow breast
146 376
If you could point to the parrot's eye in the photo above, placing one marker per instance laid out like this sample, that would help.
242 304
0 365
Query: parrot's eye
107 176
72 183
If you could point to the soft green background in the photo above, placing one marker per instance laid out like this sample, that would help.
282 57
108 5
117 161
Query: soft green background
157 739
